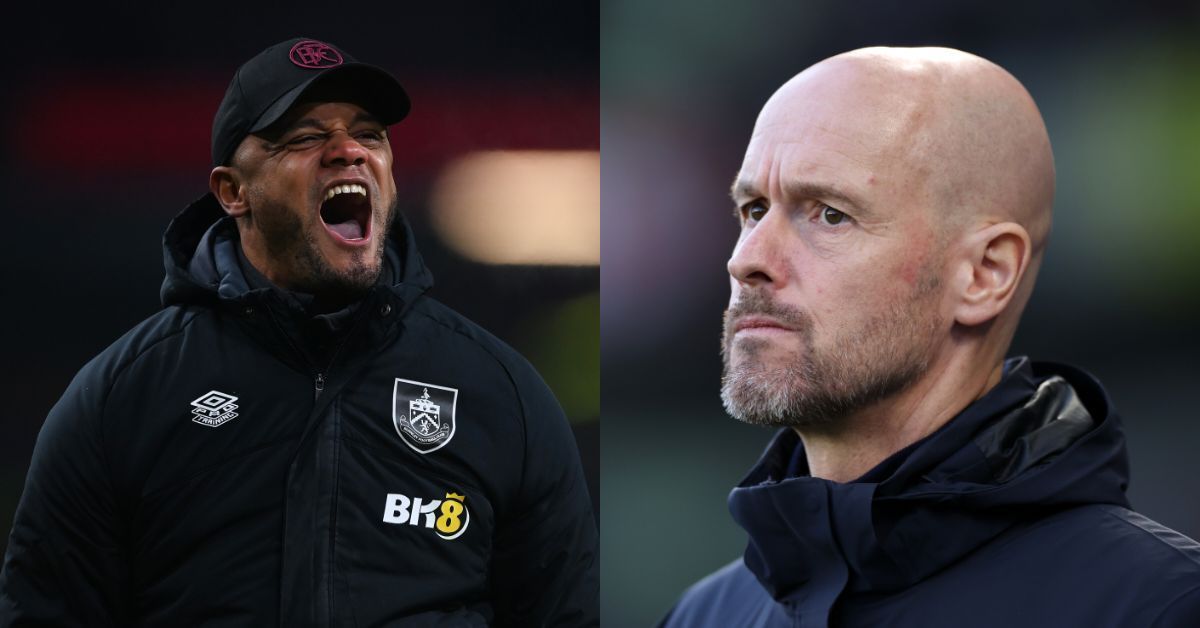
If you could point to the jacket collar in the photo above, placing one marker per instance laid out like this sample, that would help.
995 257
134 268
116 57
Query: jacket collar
1044 438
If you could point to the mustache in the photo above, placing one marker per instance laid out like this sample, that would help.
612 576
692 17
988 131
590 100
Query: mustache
759 303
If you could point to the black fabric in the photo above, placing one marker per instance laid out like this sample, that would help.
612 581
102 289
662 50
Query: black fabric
287 514
1012 514
1048 423
266 86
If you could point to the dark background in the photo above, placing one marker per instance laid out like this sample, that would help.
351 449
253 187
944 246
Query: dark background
1119 86
106 114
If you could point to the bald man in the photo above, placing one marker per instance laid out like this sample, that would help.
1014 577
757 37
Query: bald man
894 207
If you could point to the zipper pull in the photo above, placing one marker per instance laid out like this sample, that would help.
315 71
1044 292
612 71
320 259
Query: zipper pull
320 385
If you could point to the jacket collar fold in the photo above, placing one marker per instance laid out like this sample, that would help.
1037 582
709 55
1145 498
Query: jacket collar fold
1044 438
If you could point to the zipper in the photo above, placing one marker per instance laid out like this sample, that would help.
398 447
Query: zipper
319 378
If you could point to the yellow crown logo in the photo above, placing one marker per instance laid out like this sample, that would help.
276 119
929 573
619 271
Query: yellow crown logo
456 496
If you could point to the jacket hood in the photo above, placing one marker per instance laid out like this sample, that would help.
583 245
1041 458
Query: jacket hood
199 270
1044 439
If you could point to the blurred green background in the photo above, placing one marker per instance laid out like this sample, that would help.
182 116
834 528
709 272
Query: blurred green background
1119 87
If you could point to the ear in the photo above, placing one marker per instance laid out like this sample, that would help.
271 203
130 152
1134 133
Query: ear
997 258
226 184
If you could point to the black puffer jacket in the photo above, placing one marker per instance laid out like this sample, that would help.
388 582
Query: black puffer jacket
235 461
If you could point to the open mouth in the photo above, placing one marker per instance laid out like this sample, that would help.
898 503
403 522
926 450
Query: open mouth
346 212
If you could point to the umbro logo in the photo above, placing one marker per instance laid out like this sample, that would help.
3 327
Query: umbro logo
214 408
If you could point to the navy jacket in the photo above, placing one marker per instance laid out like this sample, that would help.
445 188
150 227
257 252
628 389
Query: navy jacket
1012 515
237 460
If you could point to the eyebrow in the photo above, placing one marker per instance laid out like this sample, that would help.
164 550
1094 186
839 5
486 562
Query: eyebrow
742 189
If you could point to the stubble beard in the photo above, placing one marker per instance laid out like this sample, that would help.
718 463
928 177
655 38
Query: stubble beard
813 389
287 238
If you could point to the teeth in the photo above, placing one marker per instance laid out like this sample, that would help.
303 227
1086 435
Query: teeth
353 188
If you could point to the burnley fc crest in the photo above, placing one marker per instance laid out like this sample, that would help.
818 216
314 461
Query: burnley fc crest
423 414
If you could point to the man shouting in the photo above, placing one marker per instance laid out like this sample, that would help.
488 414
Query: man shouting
302 437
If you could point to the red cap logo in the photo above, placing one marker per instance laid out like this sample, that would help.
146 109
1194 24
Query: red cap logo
314 54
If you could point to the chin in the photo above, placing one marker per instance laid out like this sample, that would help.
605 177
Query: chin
762 354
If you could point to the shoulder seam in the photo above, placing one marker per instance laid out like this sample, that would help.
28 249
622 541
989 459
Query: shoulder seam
121 369
1152 533
486 349
118 371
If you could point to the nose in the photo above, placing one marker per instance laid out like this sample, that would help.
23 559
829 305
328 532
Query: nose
760 257
344 150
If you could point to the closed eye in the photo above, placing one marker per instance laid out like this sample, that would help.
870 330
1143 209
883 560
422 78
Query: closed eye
370 137
301 141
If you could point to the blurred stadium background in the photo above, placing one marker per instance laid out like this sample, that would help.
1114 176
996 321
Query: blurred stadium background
1119 86
106 116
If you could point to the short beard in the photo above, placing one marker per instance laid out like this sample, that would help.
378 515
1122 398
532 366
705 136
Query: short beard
286 238
813 390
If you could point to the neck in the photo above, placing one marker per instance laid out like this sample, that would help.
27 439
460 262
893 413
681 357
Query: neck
259 275
253 252
869 436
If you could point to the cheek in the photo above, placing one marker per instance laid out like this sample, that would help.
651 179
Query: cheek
914 257
872 285
383 173
290 189
911 270
382 164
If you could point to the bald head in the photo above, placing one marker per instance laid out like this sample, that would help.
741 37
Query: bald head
887 177
969 137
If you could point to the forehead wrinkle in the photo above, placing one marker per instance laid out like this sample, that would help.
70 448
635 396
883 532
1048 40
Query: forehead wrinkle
359 117
305 122
815 190
837 155
813 176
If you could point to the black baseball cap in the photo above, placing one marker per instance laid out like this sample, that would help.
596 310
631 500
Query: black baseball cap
265 87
